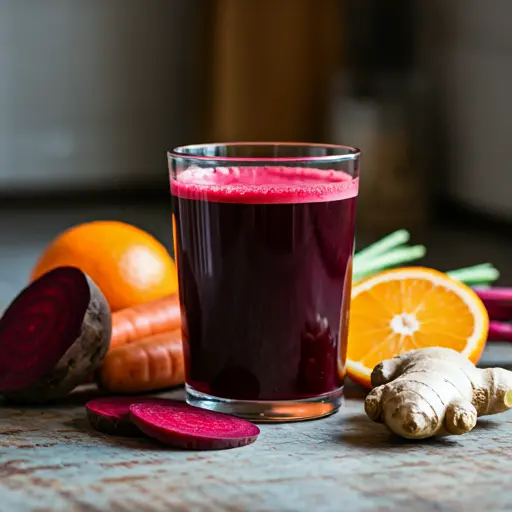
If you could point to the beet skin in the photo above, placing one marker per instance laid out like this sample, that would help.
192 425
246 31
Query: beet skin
53 336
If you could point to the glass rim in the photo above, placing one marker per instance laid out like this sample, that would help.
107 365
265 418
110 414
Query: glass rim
345 153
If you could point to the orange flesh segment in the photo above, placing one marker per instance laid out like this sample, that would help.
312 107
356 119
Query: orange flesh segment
429 308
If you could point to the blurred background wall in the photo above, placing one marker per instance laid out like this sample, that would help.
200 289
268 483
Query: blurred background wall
93 93
468 48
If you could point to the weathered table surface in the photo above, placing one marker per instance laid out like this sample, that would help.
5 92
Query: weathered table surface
51 460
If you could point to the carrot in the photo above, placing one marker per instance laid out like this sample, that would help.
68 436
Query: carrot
137 322
148 364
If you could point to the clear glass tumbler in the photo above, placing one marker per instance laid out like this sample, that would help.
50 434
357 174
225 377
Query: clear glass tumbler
263 238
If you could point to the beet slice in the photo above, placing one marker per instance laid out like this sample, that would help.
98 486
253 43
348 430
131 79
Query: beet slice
53 336
111 415
184 426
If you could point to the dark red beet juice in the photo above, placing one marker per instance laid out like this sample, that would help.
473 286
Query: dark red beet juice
264 260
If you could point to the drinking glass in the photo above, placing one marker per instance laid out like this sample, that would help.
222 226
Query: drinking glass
263 242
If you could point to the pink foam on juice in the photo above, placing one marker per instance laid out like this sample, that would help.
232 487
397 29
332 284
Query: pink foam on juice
264 185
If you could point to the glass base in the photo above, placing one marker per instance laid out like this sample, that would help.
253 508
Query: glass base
268 411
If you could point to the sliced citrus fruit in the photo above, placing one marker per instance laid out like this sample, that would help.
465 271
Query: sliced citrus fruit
408 308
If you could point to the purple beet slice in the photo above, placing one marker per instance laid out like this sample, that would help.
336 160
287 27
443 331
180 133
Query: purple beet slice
111 415
184 426
53 336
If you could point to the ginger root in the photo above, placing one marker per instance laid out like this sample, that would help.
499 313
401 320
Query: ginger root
435 391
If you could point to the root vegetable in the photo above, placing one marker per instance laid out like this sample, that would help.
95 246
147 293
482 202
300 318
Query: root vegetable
148 364
111 415
435 391
184 426
53 336
144 320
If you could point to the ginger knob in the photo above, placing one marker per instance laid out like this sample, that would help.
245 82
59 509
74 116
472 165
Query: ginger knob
435 391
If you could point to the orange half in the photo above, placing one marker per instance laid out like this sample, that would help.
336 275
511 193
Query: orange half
399 310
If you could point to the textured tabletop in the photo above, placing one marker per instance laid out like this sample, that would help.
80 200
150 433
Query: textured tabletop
51 460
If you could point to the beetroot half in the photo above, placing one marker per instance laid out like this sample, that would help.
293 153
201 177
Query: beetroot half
185 426
111 415
53 336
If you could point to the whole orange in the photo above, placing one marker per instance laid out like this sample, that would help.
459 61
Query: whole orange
129 265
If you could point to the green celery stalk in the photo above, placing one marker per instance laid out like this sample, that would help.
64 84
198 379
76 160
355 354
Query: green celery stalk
483 273
382 246
390 251
390 259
